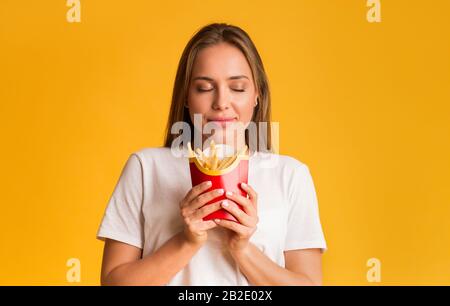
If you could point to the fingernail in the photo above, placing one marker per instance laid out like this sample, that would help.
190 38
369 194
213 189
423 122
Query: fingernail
208 183
217 220
219 191
229 193
224 203
243 185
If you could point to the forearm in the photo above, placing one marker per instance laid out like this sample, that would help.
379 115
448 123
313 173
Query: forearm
157 268
260 270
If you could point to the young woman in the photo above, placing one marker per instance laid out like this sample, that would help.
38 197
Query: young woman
153 226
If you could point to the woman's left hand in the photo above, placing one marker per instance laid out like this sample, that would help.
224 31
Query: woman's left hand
240 233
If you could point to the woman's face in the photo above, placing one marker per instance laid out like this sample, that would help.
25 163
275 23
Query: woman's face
222 89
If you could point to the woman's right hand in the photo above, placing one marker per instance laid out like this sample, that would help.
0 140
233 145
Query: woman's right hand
193 210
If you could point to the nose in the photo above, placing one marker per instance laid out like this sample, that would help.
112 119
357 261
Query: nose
221 100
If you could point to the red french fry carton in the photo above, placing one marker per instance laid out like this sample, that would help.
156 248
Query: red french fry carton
229 179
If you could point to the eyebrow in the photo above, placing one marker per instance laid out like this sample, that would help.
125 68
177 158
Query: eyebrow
235 77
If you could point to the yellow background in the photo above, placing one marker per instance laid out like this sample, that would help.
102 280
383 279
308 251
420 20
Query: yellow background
364 105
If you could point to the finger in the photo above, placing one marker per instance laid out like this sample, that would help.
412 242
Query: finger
241 216
196 191
204 198
207 225
190 208
206 210
248 206
240 229
253 196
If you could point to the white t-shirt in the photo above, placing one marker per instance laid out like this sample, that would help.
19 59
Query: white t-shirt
143 211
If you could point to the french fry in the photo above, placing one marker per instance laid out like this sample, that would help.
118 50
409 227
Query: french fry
199 152
212 150
197 157
191 153
207 162
233 158
212 162
243 150
201 157
229 161
223 161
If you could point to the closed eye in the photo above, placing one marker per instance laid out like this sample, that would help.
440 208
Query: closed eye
204 90
211 89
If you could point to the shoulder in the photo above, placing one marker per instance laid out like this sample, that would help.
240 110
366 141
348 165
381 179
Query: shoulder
293 175
140 159
293 163
159 161
145 155
288 165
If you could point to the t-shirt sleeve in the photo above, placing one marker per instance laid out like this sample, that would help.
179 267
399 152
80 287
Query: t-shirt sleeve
304 230
123 219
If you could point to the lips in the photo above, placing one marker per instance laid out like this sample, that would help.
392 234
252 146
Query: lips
222 121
